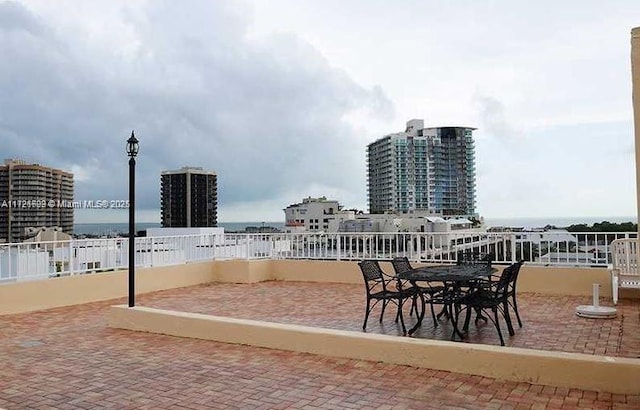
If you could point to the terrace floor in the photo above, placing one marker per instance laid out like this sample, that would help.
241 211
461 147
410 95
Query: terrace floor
68 358
549 322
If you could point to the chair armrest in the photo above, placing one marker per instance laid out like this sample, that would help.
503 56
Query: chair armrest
491 278
486 283
395 281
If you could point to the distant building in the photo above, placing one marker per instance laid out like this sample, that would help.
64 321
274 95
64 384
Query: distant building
417 222
44 234
423 169
33 195
315 215
189 198
323 215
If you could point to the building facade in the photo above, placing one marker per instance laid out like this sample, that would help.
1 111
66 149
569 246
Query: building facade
32 195
423 169
189 198
315 215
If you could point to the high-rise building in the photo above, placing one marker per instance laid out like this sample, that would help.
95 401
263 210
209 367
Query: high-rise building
33 195
189 198
423 169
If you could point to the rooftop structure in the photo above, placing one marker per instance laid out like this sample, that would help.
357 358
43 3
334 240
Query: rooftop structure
44 234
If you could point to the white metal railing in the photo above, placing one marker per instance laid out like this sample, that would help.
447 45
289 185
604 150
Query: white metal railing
39 260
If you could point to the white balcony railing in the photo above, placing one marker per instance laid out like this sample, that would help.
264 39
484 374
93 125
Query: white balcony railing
40 260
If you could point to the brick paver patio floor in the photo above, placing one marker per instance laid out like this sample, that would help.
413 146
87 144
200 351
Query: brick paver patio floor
67 358
550 322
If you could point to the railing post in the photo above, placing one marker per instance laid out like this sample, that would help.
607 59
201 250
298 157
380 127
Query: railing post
152 249
512 239
18 263
71 257
9 251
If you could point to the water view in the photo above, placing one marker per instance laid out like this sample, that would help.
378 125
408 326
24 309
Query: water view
526 222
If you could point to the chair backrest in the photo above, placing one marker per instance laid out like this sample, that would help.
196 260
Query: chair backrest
514 277
624 256
373 275
501 287
401 264
506 285
469 257
464 257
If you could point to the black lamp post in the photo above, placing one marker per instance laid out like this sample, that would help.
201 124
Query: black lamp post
132 151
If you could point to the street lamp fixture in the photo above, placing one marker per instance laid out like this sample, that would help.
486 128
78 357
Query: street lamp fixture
132 146
132 151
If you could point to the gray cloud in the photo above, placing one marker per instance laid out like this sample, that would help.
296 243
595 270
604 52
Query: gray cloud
494 119
267 115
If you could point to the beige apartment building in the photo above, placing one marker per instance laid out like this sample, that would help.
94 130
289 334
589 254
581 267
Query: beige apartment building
32 195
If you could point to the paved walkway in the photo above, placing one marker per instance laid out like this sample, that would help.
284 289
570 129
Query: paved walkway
68 359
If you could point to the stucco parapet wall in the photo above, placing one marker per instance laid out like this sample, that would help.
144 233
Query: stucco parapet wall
558 280
30 296
571 370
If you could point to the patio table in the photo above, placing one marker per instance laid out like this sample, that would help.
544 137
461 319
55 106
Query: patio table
454 277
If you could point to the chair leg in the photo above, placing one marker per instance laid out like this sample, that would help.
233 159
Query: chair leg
515 309
419 315
433 315
479 316
454 323
614 289
404 329
413 305
507 317
384 305
366 315
443 312
467 318
455 313
497 323
423 305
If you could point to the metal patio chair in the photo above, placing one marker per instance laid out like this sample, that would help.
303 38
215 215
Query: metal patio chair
384 288
434 293
491 295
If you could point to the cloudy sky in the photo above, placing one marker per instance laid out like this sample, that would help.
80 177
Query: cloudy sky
281 97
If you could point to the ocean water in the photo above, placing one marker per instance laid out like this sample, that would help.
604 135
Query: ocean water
525 222
115 228
109 228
